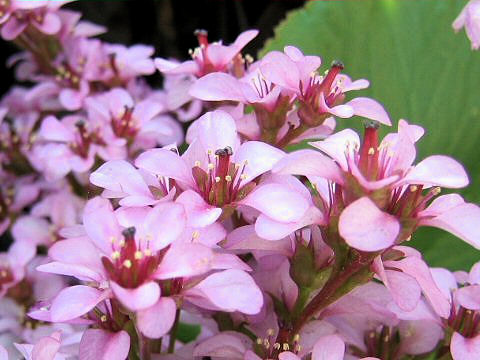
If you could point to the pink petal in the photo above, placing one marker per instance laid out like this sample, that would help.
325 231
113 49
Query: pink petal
165 163
329 347
217 130
157 320
228 344
277 202
287 355
81 272
46 348
172 218
184 260
77 251
3 353
120 176
270 229
366 228
258 158
281 70
50 25
420 271
97 344
468 297
52 129
139 298
75 301
309 163
465 348
219 287
438 170
101 232
217 87
199 213
12 28
370 109
461 221
172 67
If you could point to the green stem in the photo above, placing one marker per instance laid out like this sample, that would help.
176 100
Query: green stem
144 347
291 135
173 332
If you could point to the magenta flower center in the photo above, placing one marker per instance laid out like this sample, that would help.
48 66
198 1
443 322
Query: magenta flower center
6 275
465 322
4 6
129 265
83 140
125 125
221 184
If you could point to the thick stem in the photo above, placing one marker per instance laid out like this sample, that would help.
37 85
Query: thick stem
173 333
145 353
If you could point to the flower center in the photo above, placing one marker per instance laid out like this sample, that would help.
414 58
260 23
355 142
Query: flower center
221 183
465 322
129 265
268 349
83 140
4 6
6 276
124 124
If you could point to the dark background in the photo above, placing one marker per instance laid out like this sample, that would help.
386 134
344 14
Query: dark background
168 25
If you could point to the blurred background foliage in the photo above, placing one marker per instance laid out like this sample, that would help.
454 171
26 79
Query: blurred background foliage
418 68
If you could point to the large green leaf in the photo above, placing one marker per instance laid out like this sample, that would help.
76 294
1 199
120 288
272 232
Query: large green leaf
418 68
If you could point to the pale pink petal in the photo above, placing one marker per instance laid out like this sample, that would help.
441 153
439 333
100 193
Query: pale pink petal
50 25
52 129
199 213
75 301
219 287
468 297
228 344
165 163
97 344
12 28
366 228
104 231
465 348
474 275
3 353
184 260
287 355
281 70
370 109
139 298
338 144
258 158
218 87
329 347
46 348
438 170
309 163
270 229
81 272
157 320
216 130
420 271
120 176
277 202
173 67
461 221
164 223
77 251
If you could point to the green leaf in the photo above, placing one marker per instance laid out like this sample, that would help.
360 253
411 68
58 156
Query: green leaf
188 332
418 68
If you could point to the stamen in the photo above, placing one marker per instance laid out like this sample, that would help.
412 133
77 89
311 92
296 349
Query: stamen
127 263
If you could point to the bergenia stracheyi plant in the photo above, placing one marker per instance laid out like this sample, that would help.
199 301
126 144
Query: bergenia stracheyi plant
126 228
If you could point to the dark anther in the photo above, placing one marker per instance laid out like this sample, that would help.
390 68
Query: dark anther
371 124
200 32
224 152
80 123
129 233
338 63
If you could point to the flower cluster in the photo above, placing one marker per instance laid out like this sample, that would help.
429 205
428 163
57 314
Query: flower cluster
126 231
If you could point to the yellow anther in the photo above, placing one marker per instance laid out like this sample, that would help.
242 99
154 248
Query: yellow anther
127 263
121 243
408 238
195 234
149 237
115 255
112 239
210 166
270 332
237 166
138 255
228 178
437 190
286 347
103 318
3 273
217 179
249 58
198 163
209 152
266 343
259 341
276 346
243 176
147 252
413 188
296 337
386 338
371 151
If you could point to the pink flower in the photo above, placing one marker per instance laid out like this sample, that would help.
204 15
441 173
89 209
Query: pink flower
470 19
133 61
319 96
208 57
217 174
